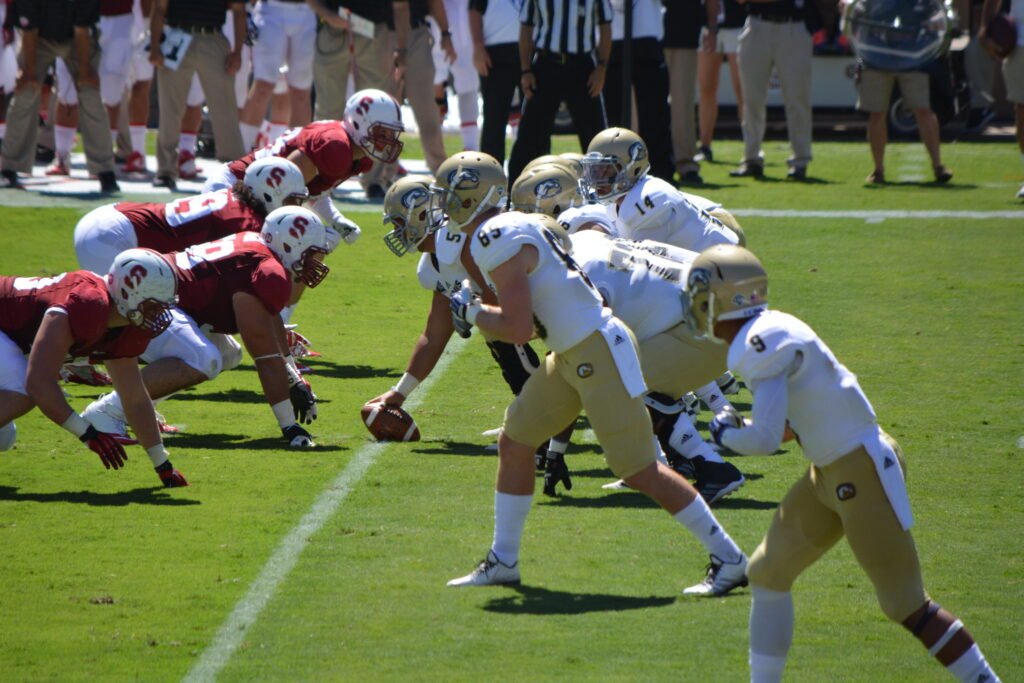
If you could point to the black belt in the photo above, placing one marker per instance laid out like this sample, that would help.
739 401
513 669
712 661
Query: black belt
777 18
198 29
562 57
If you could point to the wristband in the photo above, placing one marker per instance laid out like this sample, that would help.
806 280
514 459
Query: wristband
284 413
157 454
406 385
76 424
290 367
472 311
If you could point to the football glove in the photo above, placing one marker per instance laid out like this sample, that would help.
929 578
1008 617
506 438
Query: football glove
298 437
303 401
727 418
106 446
555 472
465 307
348 230
170 477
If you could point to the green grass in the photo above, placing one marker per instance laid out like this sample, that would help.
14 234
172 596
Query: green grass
106 577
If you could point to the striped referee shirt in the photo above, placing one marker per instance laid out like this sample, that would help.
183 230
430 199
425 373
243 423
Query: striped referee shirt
565 25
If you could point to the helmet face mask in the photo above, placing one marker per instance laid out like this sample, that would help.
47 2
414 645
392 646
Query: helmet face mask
143 288
373 120
468 184
299 240
725 282
408 206
616 160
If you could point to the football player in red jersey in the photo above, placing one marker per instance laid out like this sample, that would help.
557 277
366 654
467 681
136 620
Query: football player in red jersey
330 152
43 320
237 284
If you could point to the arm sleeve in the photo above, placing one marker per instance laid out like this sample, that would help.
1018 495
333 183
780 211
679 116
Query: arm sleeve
763 433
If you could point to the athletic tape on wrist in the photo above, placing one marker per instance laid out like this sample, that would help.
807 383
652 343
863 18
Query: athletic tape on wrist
406 385
76 424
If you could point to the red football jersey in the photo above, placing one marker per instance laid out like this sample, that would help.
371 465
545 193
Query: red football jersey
210 274
83 296
189 220
325 143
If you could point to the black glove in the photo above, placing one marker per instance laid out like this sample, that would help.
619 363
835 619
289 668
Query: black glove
303 402
554 472
298 437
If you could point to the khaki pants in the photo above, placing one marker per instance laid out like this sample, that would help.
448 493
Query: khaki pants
419 91
19 149
206 56
584 377
682 79
788 47
844 498
675 362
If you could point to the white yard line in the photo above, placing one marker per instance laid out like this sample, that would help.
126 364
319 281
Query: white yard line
286 555
876 216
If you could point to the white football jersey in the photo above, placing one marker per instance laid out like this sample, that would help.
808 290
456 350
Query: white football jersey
644 289
655 210
442 271
826 409
566 307
575 218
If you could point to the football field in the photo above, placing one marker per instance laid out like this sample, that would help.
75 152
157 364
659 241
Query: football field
330 564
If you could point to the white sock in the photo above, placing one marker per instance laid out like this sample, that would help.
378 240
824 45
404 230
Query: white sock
698 518
510 513
771 632
63 140
766 669
558 446
187 142
469 111
249 133
688 442
971 667
713 397
275 130
138 135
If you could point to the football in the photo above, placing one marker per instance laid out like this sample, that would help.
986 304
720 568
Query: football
389 423
1002 31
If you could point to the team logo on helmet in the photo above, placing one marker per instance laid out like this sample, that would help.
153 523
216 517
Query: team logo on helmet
699 280
464 179
546 189
637 152
415 197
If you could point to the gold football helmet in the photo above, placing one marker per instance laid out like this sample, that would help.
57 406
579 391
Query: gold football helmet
542 159
548 188
407 207
467 184
616 159
726 282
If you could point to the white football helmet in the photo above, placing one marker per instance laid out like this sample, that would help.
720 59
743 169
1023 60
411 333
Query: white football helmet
297 237
407 206
275 181
143 287
726 282
467 184
373 120
616 159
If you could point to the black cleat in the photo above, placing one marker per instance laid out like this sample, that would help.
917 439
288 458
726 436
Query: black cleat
716 480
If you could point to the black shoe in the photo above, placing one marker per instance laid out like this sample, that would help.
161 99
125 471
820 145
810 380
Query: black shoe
716 480
978 119
797 173
44 155
12 178
375 191
108 183
690 178
166 181
748 169
705 154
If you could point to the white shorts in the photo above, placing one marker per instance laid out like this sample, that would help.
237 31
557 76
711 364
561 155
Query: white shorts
8 68
287 36
100 236
116 56
464 75
728 40
184 340
220 178
142 70
13 366
67 93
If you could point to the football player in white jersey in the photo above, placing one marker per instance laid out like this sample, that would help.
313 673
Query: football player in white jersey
854 486
644 207
644 285
593 365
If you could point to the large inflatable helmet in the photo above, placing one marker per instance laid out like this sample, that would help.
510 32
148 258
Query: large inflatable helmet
899 35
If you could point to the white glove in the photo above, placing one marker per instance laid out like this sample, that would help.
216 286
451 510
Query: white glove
348 231
465 306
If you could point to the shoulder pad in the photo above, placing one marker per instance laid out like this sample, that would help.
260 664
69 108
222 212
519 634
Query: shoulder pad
448 245
429 274
768 345
501 238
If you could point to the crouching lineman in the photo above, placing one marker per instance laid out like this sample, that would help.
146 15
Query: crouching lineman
236 285
593 366
82 314
854 486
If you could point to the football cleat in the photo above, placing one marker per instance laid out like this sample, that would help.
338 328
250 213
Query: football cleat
164 426
106 419
619 485
187 165
1020 192
60 166
171 477
716 480
490 572
721 578
135 163
84 373
682 465
298 437
298 345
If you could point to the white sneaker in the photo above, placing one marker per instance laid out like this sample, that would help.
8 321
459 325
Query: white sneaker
490 572
721 578
105 419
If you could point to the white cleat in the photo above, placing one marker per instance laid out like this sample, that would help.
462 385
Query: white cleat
104 419
619 485
721 578
490 572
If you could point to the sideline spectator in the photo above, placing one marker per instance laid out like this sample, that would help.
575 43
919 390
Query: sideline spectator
1013 65
494 26
463 75
724 47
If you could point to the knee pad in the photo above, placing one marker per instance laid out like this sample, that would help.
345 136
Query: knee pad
8 435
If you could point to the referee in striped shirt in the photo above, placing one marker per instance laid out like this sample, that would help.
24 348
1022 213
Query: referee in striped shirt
560 61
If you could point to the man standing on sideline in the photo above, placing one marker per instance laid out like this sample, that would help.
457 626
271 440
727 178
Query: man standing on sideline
494 26
649 77
775 35
186 39
52 29
1013 65
556 58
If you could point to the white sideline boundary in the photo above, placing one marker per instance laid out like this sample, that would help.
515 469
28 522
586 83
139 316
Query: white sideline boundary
876 215
284 558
